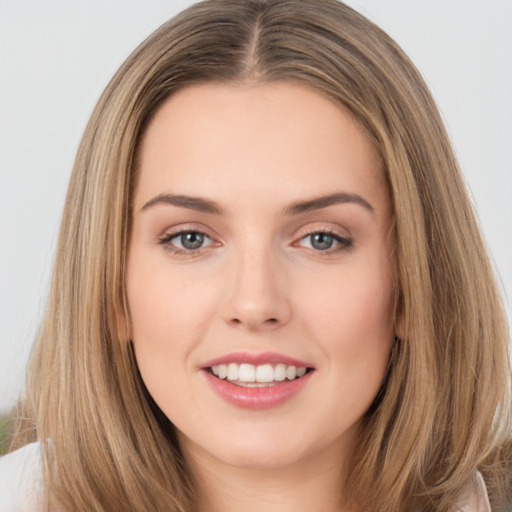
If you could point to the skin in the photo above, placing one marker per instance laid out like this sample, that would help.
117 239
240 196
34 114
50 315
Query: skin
259 283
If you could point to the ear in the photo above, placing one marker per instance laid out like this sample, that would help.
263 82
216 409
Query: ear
399 323
123 327
400 326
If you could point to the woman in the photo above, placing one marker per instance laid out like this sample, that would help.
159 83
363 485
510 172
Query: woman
270 290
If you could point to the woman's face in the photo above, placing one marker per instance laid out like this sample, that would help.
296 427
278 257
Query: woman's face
260 250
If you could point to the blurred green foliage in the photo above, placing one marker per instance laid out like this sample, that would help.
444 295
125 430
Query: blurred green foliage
4 434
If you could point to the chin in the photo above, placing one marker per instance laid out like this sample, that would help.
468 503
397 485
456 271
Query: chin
257 450
268 459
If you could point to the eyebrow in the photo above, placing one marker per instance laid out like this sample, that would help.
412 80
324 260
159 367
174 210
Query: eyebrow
325 201
208 206
192 203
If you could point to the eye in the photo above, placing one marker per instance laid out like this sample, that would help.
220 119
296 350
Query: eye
323 241
185 242
191 240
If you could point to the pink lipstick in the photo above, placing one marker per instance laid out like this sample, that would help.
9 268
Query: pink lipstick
257 381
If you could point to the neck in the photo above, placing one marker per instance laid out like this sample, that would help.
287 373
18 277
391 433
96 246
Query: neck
311 484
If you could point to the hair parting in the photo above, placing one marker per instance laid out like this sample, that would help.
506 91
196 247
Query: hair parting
444 409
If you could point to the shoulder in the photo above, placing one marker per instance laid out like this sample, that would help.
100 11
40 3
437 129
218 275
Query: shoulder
474 498
21 480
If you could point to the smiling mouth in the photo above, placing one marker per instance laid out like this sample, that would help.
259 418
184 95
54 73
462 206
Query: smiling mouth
257 376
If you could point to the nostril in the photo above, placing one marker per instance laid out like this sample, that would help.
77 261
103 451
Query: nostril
269 321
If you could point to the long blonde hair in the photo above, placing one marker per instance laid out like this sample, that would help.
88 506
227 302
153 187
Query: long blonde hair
444 410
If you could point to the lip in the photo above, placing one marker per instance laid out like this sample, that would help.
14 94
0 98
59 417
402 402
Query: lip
256 359
256 398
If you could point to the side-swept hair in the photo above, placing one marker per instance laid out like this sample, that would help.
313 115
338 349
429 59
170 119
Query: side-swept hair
445 408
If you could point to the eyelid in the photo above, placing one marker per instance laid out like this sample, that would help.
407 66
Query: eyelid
341 241
344 242
179 234
186 227
171 233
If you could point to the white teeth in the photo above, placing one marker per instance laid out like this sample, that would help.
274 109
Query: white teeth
254 384
223 371
232 371
280 372
265 373
247 373
257 376
291 372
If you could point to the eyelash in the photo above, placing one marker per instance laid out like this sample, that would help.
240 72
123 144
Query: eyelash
169 246
344 243
166 241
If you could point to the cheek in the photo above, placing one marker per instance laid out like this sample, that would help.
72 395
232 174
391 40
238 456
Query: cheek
167 317
359 343
351 319
165 306
357 303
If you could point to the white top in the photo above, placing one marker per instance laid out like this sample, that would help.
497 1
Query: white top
21 480
21 484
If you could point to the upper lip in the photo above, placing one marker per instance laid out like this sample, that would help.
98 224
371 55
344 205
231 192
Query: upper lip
256 359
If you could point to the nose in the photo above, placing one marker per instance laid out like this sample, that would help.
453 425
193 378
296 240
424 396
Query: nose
256 292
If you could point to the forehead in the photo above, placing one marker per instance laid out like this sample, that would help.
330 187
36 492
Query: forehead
231 140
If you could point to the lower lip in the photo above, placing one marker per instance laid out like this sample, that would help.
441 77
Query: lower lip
256 398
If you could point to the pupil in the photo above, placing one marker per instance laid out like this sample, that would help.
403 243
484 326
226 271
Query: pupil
321 241
192 240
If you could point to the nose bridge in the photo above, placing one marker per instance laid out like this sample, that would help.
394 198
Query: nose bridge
256 295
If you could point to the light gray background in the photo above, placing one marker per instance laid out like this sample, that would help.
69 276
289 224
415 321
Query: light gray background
57 56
